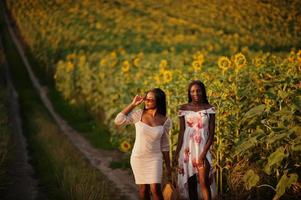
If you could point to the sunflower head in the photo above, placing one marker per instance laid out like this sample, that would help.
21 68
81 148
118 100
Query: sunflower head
113 54
199 57
197 65
137 61
125 66
102 62
299 56
224 63
240 60
125 146
167 75
163 64
69 66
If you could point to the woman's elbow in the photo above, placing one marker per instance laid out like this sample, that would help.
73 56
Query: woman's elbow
117 122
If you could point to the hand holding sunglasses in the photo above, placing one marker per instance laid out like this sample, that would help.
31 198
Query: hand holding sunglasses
137 100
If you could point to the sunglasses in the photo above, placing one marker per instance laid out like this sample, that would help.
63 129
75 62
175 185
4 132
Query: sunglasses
149 100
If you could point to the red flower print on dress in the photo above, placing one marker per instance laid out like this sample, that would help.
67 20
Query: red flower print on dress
197 138
181 170
191 135
194 163
200 123
186 155
190 121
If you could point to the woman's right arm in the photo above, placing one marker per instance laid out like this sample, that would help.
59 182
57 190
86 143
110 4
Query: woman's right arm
126 116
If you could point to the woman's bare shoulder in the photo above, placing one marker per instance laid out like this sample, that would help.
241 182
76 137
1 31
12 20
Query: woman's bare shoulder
207 106
184 106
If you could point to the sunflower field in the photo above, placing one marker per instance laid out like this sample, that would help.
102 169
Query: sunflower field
102 53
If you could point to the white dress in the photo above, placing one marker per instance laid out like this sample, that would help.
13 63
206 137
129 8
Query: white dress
150 142
194 140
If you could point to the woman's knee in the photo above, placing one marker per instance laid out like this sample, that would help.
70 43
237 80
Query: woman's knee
156 189
143 190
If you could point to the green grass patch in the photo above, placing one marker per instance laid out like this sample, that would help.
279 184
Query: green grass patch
81 120
5 134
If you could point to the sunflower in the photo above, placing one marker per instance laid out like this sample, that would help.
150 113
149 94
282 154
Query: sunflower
224 63
197 65
102 62
71 56
98 26
163 64
69 66
125 146
198 56
157 79
137 62
125 66
240 60
299 56
113 55
167 76
291 57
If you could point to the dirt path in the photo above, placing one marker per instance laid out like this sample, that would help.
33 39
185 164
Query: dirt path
100 159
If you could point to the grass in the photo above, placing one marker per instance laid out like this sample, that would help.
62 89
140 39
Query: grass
60 168
5 133
81 120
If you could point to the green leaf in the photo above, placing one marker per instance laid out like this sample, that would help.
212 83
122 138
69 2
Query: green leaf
245 145
273 138
250 179
282 94
275 158
296 146
297 102
271 95
284 183
283 112
296 130
254 111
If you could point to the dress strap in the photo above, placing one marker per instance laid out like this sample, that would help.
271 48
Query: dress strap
181 113
211 110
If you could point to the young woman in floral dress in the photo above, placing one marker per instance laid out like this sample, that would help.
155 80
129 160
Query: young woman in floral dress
197 126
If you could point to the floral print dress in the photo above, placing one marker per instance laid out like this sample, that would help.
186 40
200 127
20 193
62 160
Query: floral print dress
194 140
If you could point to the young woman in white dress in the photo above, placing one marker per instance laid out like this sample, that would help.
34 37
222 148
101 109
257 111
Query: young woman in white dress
193 158
151 142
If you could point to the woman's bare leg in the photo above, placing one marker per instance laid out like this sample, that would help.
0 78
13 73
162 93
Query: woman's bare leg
144 192
156 191
204 180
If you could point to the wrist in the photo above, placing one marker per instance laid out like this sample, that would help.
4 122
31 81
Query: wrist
132 105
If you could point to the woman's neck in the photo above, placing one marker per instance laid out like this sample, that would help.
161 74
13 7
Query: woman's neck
196 103
152 112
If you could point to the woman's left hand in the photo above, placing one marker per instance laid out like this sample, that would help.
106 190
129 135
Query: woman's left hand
202 159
